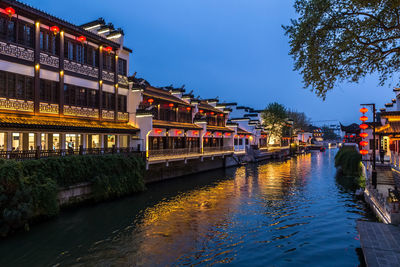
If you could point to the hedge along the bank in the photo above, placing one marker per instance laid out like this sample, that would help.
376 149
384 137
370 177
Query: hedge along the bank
350 168
28 189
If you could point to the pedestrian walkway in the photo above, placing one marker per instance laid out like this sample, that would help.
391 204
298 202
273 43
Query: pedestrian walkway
380 243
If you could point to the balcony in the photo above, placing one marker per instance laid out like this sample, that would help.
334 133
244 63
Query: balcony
108 76
16 51
167 155
17 105
81 68
81 112
49 60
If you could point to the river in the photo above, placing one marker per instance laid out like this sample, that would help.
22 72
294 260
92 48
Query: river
290 213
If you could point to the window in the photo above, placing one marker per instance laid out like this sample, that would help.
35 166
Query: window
80 96
108 101
49 91
25 34
91 56
11 31
122 67
108 62
16 86
122 103
48 42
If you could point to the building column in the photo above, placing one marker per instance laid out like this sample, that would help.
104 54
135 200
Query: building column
61 74
101 85
101 140
50 141
116 86
62 141
84 140
36 62
117 136
25 141
8 136
38 141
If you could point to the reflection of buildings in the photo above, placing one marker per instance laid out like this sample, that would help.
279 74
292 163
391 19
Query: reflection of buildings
171 231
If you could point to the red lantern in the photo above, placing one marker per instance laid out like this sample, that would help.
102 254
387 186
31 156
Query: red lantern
170 105
158 131
10 11
363 110
108 49
241 136
363 135
188 108
221 115
201 111
363 126
55 30
151 100
82 39
363 118
363 143
212 113
363 152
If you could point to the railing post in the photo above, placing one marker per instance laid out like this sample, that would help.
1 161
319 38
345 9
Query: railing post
113 149
81 150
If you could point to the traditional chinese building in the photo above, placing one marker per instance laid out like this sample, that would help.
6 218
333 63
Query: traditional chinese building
62 86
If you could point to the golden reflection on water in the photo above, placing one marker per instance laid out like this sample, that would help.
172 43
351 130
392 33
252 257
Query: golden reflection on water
185 224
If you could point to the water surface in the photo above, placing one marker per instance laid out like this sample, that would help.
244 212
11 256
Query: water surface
290 213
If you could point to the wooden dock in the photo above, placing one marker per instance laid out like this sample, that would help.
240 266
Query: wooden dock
380 243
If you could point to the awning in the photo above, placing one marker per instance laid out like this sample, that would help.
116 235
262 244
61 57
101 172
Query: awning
175 125
392 127
19 122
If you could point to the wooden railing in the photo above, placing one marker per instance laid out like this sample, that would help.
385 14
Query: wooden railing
187 151
39 153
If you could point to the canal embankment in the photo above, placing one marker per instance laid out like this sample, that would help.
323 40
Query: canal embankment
275 213
33 190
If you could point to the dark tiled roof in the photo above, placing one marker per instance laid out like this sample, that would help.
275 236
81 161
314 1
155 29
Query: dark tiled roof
173 124
164 95
19 6
203 105
242 131
218 128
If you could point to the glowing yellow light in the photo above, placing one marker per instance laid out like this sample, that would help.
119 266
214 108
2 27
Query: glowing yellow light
61 72
37 67
37 24
116 86
100 82
62 33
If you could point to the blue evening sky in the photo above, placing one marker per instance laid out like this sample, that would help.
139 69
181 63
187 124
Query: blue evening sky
233 49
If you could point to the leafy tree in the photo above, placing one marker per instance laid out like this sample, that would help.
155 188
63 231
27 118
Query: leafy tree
344 40
300 120
274 118
329 133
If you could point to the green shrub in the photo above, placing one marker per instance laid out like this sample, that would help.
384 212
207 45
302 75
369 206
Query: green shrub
29 189
349 168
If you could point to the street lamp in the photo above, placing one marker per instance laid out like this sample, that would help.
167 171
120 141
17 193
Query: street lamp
374 174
